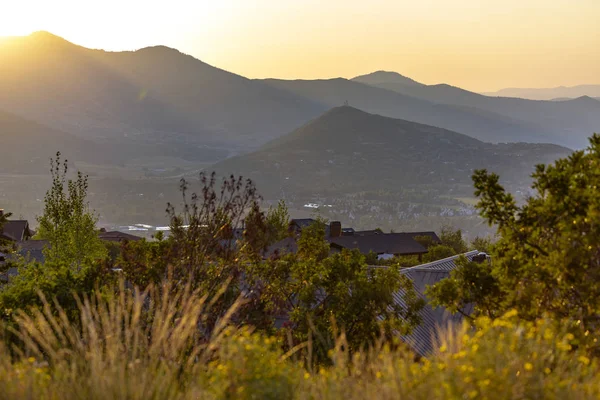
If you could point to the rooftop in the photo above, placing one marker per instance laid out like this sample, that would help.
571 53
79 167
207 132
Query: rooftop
383 243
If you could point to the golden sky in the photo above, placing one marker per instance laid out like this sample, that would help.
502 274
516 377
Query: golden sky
476 44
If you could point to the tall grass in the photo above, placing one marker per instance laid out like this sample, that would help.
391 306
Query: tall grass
151 345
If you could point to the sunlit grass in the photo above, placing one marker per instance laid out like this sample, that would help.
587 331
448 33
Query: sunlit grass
151 345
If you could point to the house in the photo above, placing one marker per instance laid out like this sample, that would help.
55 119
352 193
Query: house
32 250
385 245
16 231
425 337
117 236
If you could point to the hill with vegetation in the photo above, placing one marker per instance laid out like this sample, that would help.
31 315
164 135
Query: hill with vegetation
478 123
347 150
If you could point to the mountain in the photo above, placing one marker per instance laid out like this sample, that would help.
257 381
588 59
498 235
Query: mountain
26 146
348 151
549 93
154 95
565 122
386 77
478 123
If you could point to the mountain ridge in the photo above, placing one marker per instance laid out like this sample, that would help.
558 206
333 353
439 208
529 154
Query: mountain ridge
347 150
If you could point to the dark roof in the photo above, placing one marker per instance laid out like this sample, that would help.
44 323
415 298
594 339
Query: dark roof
434 237
33 249
116 236
388 243
369 232
423 338
16 230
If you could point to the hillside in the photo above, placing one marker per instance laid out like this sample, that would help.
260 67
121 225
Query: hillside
348 151
386 77
27 146
155 95
549 93
480 124
568 122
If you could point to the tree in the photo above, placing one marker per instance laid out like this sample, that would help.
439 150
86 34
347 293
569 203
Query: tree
454 239
67 222
203 234
317 291
278 221
6 246
547 257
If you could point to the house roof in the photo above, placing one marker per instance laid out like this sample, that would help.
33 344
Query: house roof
116 236
424 337
369 232
33 249
16 230
384 243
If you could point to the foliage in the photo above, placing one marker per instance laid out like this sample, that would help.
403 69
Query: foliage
278 221
6 246
144 262
67 223
470 284
484 244
204 231
438 252
546 258
320 291
454 239
53 280
141 345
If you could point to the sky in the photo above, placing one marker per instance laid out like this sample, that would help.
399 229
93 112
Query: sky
481 45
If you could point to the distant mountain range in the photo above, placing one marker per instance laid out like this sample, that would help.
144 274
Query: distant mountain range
560 92
568 122
159 101
153 96
347 150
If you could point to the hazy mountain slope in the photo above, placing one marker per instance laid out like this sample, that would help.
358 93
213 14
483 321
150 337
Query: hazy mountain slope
477 123
566 122
387 77
549 93
347 150
26 146
155 94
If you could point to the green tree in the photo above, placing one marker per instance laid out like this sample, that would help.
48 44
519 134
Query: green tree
546 260
278 221
316 290
438 252
67 222
6 246
453 238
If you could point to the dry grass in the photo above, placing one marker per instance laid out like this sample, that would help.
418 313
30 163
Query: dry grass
151 345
